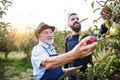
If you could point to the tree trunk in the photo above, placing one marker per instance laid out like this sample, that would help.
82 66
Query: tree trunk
6 55
28 56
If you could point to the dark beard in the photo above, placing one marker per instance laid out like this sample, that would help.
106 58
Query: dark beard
76 28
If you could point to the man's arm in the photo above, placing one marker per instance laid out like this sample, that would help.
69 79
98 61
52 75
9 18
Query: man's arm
56 61
79 51
103 29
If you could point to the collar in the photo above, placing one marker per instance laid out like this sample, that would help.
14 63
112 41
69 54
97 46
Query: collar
45 45
75 36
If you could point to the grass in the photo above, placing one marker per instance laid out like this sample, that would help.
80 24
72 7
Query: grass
16 67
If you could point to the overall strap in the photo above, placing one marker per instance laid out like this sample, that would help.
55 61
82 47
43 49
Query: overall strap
52 74
49 52
46 50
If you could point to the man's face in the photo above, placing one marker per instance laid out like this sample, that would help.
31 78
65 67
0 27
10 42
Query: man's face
74 23
46 36
106 15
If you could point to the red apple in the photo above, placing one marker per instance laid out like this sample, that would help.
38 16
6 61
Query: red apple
91 40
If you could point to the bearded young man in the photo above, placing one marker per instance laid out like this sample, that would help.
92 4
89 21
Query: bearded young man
72 41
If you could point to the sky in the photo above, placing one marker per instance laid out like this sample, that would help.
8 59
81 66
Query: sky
53 12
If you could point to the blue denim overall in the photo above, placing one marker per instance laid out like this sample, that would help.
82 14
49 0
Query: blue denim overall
52 74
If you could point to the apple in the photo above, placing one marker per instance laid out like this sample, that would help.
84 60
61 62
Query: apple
91 40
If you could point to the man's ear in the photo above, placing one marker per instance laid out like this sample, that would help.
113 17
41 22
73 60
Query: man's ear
38 35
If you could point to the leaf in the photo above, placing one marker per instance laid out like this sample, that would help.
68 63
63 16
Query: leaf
107 23
92 5
84 19
96 9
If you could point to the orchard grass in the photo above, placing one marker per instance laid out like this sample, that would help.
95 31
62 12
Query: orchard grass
16 67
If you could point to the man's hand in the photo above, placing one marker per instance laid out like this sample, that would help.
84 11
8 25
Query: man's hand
76 72
84 49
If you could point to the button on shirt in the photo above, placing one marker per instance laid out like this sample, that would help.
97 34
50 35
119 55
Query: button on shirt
39 53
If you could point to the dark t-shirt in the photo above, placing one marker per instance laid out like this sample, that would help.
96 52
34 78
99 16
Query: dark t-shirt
70 43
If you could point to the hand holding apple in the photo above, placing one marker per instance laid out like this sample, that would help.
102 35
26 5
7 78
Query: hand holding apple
91 40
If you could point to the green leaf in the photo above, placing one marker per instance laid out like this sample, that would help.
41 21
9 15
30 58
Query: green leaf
107 24
96 9
92 5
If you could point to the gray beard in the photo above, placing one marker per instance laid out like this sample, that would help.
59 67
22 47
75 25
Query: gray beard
49 41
